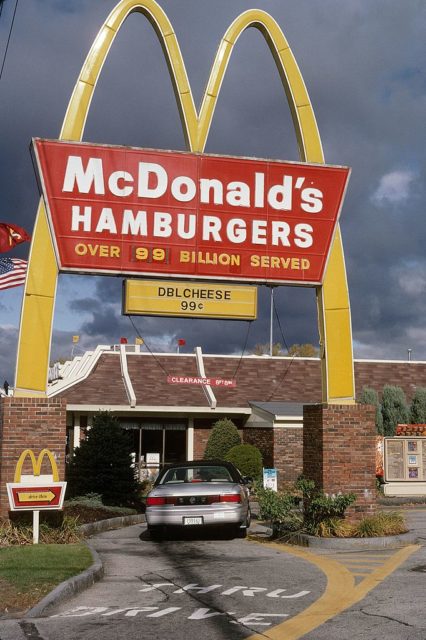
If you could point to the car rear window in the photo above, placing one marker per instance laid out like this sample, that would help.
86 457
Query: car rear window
214 473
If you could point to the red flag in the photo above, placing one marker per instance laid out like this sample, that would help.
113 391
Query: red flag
181 342
11 235
123 340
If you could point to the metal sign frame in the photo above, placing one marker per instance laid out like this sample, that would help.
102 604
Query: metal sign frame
334 318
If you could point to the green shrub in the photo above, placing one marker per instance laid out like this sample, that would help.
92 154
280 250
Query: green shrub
319 509
248 460
102 464
223 437
370 396
323 508
418 406
394 409
93 500
280 509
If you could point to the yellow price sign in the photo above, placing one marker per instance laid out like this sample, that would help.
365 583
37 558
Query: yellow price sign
189 299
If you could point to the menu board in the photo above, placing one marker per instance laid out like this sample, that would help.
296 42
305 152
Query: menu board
405 459
394 460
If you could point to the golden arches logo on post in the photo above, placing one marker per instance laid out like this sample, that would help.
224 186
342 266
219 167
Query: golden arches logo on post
36 492
36 464
332 295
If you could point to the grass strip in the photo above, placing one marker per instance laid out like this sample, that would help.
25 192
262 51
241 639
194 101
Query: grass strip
28 573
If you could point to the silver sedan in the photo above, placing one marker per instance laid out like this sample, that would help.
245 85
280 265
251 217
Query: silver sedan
199 494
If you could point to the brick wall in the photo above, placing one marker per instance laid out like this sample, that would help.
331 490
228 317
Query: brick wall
339 452
262 438
30 423
288 454
201 437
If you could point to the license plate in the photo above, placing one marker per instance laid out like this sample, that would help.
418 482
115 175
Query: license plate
198 520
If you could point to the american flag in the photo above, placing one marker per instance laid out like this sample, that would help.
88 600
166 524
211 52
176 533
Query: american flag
13 272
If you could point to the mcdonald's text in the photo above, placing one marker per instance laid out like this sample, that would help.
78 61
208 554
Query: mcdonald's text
127 210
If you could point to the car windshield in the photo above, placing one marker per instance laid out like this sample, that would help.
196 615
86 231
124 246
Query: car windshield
214 473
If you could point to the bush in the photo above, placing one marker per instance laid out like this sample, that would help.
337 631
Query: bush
370 396
20 534
320 510
279 508
381 524
394 409
247 458
418 406
223 437
102 464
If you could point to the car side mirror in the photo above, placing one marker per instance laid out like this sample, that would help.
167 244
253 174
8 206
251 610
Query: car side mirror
247 480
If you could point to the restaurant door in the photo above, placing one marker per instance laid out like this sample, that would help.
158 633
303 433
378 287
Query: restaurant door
157 443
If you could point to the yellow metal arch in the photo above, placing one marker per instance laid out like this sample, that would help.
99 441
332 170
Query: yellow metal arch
332 298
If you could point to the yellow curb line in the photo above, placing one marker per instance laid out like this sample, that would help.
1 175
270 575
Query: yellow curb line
340 592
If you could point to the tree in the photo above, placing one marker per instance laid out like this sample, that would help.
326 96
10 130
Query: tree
306 350
102 463
394 409
418 406
265 349
370 396
223 437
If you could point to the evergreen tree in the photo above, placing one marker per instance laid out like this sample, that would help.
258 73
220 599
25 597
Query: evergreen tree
102 464
223 437
418 407
394 409
370 396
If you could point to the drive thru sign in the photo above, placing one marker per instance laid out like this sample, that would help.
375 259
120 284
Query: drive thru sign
36 492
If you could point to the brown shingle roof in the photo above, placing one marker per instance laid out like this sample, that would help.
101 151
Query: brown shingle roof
258 378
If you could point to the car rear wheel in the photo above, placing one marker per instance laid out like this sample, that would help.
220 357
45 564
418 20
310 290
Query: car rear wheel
241 532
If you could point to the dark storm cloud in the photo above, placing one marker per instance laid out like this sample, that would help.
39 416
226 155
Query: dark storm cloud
361 64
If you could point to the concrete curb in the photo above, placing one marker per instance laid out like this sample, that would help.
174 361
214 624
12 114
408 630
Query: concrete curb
344 544
92 528
95 572
352 544
69 587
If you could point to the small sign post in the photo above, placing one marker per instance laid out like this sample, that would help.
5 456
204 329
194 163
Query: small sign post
35 492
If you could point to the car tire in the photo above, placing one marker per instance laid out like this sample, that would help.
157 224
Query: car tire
241 531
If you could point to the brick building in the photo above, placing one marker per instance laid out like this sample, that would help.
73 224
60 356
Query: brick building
174 420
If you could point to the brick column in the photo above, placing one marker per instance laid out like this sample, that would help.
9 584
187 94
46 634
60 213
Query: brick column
339 452
288 453
30 423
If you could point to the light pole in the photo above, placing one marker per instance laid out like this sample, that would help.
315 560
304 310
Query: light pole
409 354
271 327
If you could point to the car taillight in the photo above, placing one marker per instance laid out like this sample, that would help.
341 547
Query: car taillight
230 497
155 502
158 502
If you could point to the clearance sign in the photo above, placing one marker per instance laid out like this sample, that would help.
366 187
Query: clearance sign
122 210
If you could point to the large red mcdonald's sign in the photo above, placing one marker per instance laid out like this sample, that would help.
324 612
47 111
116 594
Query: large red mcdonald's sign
128 211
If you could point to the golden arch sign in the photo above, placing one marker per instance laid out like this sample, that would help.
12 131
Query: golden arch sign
36 464
332 295
36 492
